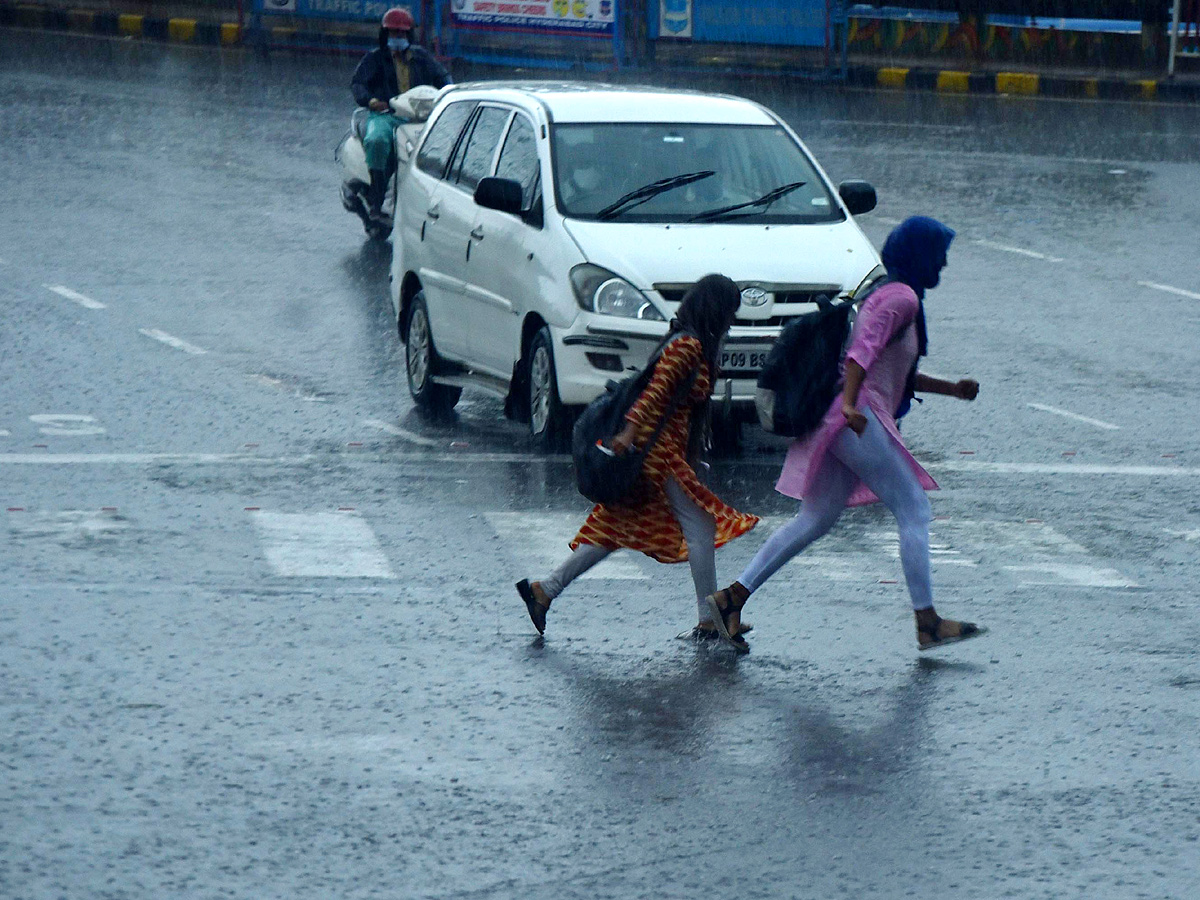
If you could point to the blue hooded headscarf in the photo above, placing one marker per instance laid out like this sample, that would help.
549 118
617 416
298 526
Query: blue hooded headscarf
915 254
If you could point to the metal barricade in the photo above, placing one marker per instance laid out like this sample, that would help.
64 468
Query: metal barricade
1185 32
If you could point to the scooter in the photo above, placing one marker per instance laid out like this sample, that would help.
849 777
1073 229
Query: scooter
413 106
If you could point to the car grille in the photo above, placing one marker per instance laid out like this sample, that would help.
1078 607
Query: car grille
790 301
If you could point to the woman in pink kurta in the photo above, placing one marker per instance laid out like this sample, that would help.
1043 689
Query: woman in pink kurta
857 456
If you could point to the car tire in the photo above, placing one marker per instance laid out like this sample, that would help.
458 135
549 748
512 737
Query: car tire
549 421
421 362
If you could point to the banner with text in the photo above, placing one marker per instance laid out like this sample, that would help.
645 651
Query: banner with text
584 17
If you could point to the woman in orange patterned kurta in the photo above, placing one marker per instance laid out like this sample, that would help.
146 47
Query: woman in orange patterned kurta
671 516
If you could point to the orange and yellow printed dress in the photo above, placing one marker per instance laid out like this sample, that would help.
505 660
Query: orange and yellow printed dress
647 524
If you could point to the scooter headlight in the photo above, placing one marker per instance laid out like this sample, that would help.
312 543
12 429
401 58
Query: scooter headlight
600 291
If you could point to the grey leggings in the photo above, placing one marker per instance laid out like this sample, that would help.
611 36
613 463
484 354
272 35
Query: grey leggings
699 530
875 460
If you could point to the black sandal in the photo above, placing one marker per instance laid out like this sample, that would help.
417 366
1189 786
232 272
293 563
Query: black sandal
722 616
537 611
967 630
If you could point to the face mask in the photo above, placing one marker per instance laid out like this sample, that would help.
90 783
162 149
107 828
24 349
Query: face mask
397 44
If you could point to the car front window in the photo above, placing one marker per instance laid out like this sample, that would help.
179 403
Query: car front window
597 164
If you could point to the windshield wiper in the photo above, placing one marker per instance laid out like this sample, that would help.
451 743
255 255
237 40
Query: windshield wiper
649 192
764 201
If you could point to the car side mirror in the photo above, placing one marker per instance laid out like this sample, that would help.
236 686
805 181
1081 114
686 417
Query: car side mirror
502 194
859 196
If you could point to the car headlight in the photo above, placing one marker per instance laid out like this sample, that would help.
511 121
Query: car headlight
600 291
873 277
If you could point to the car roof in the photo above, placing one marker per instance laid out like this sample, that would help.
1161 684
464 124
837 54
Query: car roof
569 102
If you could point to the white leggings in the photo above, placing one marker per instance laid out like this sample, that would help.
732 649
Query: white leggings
699 530
877 462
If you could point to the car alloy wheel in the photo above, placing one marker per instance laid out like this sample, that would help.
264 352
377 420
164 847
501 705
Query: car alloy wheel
541 389
419 350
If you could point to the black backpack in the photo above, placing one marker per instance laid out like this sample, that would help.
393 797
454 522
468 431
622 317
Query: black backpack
602 476
801 376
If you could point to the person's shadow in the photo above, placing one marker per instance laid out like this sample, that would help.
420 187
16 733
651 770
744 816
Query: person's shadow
694 702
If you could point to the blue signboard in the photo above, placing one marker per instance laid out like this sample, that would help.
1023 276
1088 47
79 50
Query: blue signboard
796 23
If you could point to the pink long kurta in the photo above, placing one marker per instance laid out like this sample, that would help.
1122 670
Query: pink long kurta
887 312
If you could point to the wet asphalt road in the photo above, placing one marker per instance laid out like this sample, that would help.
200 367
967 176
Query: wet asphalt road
257 631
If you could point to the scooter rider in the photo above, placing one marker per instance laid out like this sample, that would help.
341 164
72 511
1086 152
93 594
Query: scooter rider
395 67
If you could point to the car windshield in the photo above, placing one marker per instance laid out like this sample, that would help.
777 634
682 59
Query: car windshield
595 165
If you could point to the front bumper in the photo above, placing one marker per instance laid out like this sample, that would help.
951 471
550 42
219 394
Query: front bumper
624 346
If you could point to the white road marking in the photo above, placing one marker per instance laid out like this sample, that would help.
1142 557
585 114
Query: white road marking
1070 415
4 433
1041 555
75 296
999 468
406 434
140 459
66 424
1170 290
71 524
1191 535
992 245
1070 575
886 220
465 458
321 545
540 541
871 124
172 341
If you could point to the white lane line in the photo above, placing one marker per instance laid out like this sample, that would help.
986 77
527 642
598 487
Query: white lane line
4 433
1170 290
321 545
999 468
876 124
887 220
405 434
172 341
74 296
241 459
1070 415
992 245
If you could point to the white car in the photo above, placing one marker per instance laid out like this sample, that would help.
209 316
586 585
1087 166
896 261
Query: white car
546 232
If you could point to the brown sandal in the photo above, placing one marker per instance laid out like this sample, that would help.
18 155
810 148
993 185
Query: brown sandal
537 605
932 631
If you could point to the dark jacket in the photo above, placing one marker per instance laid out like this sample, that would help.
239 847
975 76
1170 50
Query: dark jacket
375 77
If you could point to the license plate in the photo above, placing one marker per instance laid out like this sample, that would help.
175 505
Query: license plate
748 360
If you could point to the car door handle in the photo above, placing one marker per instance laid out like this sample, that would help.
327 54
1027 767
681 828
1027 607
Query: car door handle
477 233
434 212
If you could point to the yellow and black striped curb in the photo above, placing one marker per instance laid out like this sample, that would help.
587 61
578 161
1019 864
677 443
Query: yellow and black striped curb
188 31
1027 84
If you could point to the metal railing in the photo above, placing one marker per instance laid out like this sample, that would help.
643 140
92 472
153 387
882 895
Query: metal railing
1185 32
